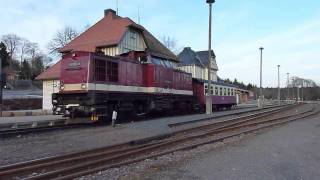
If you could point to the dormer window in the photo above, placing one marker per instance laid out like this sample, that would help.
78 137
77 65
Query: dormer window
133 35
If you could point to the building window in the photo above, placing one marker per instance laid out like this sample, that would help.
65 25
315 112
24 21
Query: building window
100 70
112 71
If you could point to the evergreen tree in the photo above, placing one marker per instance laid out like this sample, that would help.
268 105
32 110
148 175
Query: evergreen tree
25 70
37 66
4 55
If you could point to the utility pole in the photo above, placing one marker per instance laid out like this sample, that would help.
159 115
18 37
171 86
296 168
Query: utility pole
260 101
138 15
1 87
117 7
278 84
302 90
293 87
298 93
288 82
208 97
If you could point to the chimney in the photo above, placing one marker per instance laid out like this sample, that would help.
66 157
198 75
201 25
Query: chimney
111 12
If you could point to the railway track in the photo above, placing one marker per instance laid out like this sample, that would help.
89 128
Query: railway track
224 115
13 132
87 162
23 131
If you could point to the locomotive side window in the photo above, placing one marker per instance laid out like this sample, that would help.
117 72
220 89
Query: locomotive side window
112 71
100 70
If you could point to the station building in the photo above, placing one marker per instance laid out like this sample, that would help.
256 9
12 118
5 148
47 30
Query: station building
112 35
196 63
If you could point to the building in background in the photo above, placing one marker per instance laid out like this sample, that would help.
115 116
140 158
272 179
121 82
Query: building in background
50 84
196 63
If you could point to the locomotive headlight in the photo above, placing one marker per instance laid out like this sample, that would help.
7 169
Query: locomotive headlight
83 86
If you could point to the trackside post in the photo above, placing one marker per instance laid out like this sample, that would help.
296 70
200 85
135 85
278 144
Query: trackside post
114 118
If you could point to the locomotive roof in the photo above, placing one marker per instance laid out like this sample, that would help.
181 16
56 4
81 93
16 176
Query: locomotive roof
109 31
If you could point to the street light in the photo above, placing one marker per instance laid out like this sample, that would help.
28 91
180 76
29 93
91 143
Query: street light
278 84
288 90
208 97
260 103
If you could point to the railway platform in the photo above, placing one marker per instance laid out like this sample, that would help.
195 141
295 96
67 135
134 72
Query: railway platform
16 121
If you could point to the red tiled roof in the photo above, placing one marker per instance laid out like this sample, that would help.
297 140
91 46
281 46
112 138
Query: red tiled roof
109 31
51 73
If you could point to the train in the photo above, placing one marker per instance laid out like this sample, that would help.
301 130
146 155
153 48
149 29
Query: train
93 85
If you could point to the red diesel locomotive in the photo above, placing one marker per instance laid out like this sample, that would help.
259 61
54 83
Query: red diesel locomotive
94 85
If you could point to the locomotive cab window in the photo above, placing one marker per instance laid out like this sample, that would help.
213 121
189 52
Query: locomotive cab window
112 71
100 70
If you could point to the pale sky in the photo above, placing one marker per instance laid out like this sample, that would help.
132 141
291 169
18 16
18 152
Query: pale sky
289 30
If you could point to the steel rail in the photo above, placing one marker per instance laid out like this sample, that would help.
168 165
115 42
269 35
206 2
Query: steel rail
224 115
155 145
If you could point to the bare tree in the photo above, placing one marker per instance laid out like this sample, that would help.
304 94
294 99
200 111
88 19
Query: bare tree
61 38
169 42
24 46
12 43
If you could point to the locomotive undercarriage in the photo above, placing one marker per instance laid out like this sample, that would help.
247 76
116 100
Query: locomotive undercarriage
98 106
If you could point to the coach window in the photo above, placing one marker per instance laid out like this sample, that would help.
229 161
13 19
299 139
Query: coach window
221 91
112 71
228 91
100 70
211 90
216 91
224 91
206 89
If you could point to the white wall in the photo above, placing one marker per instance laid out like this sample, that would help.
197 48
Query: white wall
132 40
199 72
49 87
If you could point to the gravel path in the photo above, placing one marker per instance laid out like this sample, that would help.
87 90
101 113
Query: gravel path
286 152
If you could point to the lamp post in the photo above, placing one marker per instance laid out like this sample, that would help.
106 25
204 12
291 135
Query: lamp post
208 97
288 91
278 84
260 101
1 87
